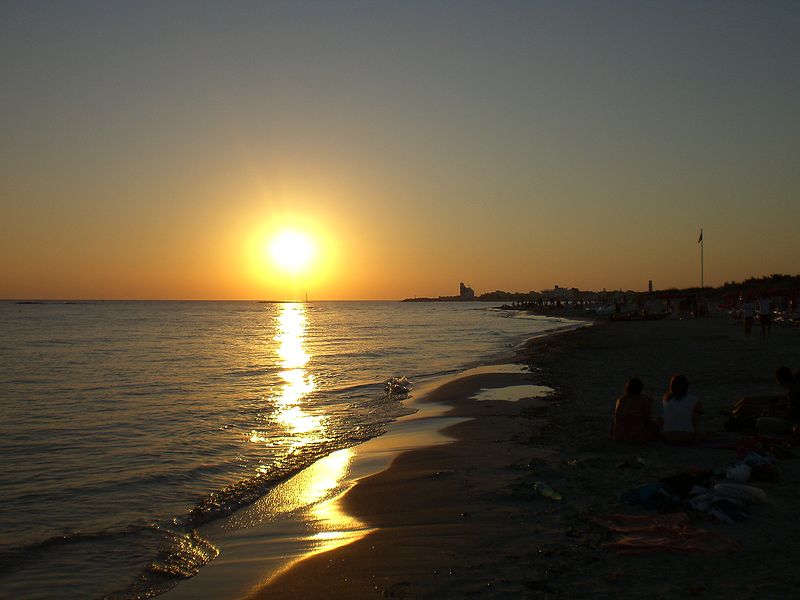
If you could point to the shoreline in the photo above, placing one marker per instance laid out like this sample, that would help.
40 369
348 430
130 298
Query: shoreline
301 518
374 500
462 518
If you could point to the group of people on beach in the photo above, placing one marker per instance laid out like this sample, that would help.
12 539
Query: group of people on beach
764 314
681 411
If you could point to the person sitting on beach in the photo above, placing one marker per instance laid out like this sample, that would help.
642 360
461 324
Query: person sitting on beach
633 415
784 414
755 406
681 412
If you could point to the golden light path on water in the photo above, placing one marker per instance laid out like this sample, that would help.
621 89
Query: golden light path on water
317 490
301 427
299 384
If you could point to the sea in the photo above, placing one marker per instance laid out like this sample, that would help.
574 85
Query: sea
126 426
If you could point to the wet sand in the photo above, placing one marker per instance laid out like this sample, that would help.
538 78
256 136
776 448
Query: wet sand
462 519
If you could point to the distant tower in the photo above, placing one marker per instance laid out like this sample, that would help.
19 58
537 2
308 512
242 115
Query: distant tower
650 286
465 292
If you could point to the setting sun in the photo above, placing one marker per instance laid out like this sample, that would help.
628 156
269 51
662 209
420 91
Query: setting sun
291 256
292 251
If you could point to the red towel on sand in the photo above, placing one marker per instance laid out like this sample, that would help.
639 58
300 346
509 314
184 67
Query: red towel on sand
673 533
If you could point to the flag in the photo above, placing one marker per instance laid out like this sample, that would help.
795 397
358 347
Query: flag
701 237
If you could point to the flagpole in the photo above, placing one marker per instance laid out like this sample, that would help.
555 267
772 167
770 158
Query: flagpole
702 266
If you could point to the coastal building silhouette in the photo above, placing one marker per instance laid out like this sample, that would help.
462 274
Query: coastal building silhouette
465 292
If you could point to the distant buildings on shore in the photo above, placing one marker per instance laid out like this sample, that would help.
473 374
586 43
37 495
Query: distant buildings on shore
785 287
556 295
465 292
782 289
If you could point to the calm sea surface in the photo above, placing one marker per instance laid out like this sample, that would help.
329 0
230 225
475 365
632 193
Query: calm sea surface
125 425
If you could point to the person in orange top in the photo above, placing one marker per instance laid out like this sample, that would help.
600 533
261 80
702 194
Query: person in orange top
633 416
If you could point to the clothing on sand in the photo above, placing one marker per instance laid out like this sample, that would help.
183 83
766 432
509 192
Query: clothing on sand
650 534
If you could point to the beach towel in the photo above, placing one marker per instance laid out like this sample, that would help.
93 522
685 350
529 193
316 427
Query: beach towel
674 534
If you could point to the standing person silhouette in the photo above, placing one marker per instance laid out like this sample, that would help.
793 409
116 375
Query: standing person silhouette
764 314
748 312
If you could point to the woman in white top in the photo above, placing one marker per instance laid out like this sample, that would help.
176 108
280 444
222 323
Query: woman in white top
681 410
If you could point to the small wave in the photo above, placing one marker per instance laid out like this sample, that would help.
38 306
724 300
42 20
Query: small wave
398 387
359 355
181 559
356 387
137 480
243 493
254 371
14 558
180 554
378 385
53 343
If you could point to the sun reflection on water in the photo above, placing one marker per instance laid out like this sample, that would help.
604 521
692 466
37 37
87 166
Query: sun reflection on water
291 333
301 427
316 491
335 527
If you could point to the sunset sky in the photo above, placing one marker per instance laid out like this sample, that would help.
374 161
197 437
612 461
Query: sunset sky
153 149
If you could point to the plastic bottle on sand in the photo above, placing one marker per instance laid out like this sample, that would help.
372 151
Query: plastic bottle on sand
546 491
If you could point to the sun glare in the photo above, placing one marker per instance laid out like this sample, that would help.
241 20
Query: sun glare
292 251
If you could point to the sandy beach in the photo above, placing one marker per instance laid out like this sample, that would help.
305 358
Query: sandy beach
463 519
